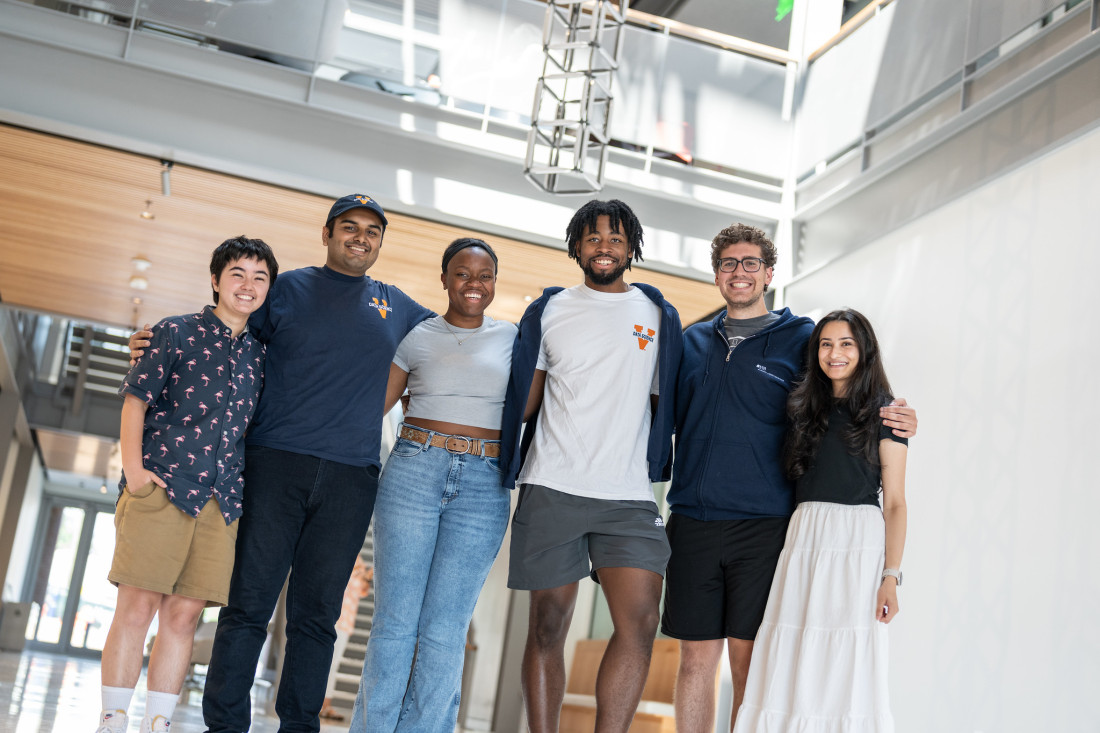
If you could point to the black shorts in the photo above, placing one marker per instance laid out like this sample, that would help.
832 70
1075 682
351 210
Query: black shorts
559 538
719 576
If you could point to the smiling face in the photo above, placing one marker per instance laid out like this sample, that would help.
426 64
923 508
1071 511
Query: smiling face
604 255
838 355
743 291
354 242
470 282
242 288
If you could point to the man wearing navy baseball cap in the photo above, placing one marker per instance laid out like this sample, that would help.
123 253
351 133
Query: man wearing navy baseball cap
311 466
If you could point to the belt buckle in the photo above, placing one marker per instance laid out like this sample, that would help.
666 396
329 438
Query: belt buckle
447 444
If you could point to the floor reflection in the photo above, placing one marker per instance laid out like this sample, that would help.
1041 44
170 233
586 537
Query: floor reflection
48 693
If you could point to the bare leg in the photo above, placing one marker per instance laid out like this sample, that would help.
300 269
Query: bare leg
543 677
633 597
171 655
694 698
123 650
740 656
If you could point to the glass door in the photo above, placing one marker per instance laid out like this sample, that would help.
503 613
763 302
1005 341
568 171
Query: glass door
72 600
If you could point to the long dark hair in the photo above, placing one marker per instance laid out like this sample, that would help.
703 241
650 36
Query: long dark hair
812 398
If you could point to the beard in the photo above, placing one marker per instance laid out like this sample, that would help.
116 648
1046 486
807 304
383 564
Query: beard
604 278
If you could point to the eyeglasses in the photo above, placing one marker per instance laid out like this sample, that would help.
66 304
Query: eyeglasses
749 264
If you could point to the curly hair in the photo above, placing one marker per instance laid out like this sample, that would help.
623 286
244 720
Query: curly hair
738 233
812 399
620 217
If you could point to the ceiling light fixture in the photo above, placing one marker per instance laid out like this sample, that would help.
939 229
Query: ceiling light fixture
147 212
138 282
141 263
166 177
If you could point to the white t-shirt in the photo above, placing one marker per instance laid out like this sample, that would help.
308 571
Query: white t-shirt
459 383
599 351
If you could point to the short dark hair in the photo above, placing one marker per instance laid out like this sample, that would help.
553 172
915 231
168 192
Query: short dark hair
743 233
465 243
619 215
239 248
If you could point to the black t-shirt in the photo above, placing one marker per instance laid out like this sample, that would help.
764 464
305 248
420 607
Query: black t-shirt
836 475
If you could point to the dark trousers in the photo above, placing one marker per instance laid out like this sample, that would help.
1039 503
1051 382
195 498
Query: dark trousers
308 516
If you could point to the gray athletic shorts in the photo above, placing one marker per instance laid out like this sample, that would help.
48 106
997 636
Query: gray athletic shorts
559 538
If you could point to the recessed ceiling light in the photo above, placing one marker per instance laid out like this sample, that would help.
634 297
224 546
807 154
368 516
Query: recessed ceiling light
137 282
141 263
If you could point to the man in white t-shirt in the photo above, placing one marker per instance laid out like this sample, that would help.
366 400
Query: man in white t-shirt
587 368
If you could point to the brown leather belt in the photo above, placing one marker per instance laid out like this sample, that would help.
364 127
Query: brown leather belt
453 443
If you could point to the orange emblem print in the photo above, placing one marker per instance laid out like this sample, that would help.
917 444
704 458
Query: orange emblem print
382 307
644 336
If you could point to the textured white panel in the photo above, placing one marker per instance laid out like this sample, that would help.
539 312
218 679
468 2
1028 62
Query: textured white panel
987 312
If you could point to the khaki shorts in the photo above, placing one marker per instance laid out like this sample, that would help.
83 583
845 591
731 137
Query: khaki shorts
162 549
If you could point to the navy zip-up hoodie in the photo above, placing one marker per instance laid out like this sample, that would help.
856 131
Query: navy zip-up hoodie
525 356
731 420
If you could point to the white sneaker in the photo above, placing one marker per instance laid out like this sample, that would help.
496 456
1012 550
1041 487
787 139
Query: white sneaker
112 721
156 724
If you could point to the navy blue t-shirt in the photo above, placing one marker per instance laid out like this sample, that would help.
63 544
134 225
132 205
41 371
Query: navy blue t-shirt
330 340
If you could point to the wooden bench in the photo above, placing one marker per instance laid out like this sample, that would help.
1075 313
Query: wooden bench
655 712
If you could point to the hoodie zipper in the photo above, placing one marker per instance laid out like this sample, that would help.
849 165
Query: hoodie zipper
720 333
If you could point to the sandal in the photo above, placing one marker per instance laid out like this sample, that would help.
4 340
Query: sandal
330 714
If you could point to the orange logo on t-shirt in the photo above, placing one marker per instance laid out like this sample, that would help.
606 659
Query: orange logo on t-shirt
644 336
383 307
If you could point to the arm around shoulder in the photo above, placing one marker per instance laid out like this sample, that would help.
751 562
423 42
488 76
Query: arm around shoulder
901 417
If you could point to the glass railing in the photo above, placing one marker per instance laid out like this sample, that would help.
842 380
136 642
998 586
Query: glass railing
900 72
681 100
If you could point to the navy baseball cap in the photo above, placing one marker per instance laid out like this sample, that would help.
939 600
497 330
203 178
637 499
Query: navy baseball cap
357 201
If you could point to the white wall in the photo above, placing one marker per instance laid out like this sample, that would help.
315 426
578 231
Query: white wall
24 533
987 313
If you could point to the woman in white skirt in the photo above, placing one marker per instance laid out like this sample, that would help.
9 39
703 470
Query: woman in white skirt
819 663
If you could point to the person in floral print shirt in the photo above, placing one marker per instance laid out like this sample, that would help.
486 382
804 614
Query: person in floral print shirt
187 404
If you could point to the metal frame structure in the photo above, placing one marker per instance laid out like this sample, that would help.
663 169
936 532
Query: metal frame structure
568 140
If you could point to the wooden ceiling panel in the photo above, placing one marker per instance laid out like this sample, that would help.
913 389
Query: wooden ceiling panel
70 225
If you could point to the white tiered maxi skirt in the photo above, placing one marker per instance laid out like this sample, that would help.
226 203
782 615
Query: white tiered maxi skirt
819 664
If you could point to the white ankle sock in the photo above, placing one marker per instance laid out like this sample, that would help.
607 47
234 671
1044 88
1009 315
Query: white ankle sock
160 703
117 698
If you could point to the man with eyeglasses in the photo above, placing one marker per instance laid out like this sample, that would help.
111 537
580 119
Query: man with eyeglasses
730 500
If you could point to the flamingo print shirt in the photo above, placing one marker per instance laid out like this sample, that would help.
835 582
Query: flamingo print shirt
201 386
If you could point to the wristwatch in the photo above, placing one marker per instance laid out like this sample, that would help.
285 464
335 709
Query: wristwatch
893 573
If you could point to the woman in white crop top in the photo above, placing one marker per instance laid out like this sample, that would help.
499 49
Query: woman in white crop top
441 511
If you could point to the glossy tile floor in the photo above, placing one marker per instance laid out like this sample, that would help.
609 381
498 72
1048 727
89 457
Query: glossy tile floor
47 693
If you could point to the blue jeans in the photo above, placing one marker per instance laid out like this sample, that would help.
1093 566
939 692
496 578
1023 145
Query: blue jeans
440 521
304 513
